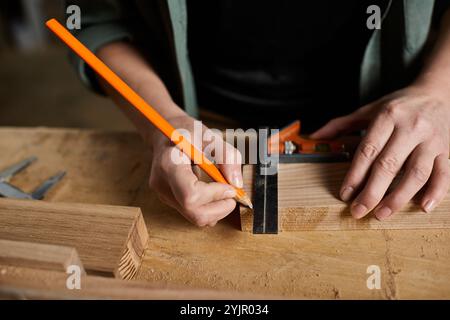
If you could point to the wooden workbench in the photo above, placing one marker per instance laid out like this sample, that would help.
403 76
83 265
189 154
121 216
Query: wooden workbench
110 168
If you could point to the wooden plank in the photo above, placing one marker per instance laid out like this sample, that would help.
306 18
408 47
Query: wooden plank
27 283
308 200
38 255
109 239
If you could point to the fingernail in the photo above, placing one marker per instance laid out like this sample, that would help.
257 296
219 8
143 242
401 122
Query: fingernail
429 206
346 193
358 210
229 194
237 181
382 213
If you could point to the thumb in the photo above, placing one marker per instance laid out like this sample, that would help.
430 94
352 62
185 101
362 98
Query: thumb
233 174
228 159
231 168
338 126
215 191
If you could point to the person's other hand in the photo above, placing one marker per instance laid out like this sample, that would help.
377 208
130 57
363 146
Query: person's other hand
178 186
408 129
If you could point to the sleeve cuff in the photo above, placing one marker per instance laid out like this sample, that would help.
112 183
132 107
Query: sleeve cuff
93 38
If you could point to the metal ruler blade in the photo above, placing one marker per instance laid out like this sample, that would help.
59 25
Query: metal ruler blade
265 201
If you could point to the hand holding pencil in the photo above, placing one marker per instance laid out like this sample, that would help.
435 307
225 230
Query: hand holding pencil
140 104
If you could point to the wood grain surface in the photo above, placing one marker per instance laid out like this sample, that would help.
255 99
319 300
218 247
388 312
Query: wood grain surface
308 200
109 239
38 256
111 168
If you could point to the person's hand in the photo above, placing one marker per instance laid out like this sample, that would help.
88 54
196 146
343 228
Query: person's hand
408 129
178 186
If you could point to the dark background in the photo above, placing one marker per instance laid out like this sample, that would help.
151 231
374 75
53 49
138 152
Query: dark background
37 84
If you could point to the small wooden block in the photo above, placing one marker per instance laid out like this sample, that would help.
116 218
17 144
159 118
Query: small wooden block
109 239
38 255
308 200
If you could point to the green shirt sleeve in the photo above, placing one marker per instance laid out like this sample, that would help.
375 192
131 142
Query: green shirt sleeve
102 22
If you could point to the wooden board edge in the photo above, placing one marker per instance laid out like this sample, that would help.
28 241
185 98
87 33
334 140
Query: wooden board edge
26 283
39 255
338 218
246 215
134 249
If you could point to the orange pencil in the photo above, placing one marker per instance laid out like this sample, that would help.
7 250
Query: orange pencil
151 114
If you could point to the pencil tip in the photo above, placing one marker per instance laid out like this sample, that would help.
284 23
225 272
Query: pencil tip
246 202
